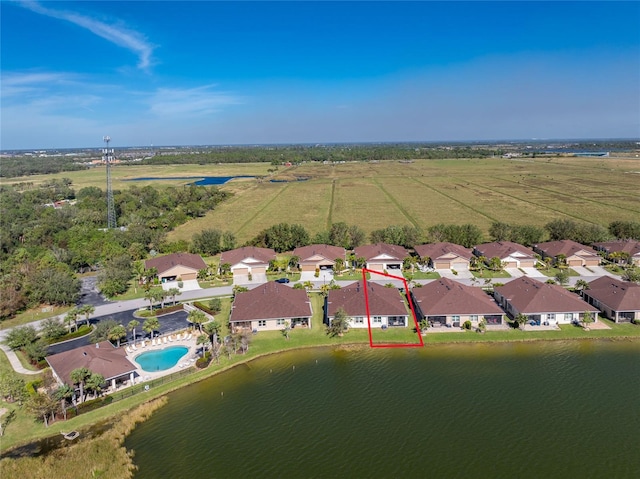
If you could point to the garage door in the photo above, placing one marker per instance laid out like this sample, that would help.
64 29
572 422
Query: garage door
188 276
574 262
442 265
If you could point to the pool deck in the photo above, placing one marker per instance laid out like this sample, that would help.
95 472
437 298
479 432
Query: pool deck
185 361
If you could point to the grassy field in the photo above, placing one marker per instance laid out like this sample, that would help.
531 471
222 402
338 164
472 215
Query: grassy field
422 193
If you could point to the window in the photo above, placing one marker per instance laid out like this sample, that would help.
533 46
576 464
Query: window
358 320
262 323
568 316
455 318
473 317
377 320
280 322
551 317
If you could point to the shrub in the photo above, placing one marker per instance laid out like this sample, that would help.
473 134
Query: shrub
466 325
203 362
32 387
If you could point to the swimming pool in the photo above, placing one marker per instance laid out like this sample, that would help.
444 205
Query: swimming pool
162 359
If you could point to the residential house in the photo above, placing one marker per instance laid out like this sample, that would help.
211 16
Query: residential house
541 302
100 358
387 307
269 306
382 256
319 256
618 300
448 302
574 254
512 255
620 250
248 264
176 266
445 255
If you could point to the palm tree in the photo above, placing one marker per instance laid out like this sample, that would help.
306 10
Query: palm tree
520 320
62 394
173 292
197 317
150 325
117 333
212 328
87 310
94 383
582 285
286 330
79 376
202 339
293 262
133 324
72 318
139 273
338 266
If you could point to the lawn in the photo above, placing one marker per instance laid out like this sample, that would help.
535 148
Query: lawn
552 272
34 314
486 273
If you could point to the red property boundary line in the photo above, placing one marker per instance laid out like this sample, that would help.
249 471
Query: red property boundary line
420 342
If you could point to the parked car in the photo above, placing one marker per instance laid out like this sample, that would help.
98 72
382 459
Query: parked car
282 280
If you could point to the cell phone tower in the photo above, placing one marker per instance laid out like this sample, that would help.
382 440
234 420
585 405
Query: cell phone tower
107 157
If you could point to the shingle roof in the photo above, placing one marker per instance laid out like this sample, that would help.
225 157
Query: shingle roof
614 293
503 249
529 296
270 301
437 250
165 263
382 301
101 358
235 256
372 250
445 297
565 247
327 251
626 246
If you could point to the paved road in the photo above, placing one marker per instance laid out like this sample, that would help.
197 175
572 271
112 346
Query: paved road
122 310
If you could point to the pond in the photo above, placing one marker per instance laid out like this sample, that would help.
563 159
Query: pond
525 410
152 361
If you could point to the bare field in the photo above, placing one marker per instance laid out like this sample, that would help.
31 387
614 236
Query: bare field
421 193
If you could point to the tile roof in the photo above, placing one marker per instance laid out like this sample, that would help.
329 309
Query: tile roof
437 250
614 293
327 251
530 296
445 297
565 247
382 301
270 301
503 249
370 251
238 255
626 246
101 358
165 263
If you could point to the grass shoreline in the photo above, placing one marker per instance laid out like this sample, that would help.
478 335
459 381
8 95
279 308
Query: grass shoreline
106 413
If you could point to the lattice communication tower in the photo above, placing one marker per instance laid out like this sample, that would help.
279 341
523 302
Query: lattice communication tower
107 157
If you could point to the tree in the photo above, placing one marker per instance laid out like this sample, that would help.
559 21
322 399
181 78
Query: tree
95 382
63 394
36 351
582 285
215 305
587 319
150 325
562 277
632 274
495 264
87 310
139 274
41 406
79 376
154 295
338 266
293 262
197 317
72 318
117 333
212 328
520 320
21 336
133 324
11 386
101 330
114 277
339 324
52 329
286 329
202 339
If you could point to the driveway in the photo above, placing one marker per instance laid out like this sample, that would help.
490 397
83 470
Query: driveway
326 276
243 279
582 271
533 273
188 285
514 272
462 274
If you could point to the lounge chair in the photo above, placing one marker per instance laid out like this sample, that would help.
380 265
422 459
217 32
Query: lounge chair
164 340
143 344
183 336
153 342
133 347
189 337
170 339
128 349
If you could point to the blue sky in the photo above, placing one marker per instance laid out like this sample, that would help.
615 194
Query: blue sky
179 73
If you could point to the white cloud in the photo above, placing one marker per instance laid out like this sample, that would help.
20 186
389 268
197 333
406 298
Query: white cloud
202 100
119 35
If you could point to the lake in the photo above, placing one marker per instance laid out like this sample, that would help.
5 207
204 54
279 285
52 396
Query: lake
201 180
517 410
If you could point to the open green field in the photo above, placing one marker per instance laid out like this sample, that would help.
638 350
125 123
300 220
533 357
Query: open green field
422 193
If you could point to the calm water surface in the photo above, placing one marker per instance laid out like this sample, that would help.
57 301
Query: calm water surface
536 410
